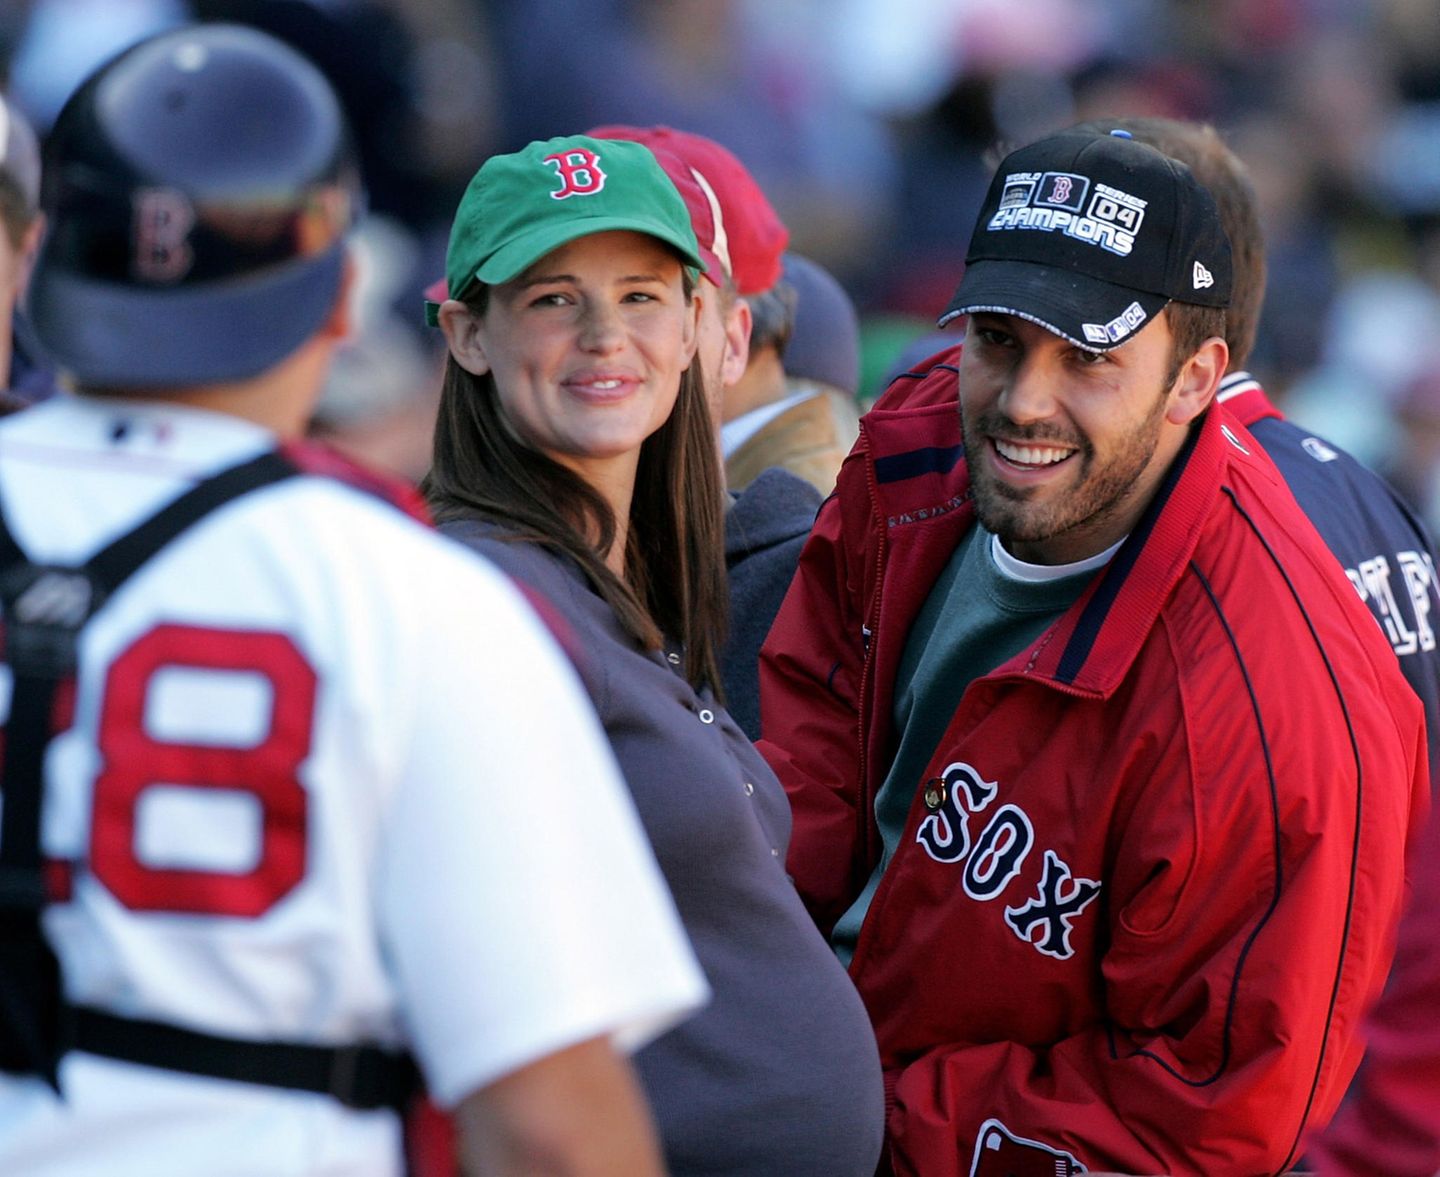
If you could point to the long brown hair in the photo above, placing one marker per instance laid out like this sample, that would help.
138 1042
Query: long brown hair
674 582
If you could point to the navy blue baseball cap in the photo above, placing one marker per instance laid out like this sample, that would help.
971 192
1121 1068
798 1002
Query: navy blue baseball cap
1090 235
199 188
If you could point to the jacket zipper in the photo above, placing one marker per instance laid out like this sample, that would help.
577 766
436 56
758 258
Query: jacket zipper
869 833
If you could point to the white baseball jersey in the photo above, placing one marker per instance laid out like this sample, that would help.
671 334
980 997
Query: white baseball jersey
329 781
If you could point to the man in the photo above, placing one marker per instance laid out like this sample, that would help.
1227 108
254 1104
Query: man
25 377
272 749
1383 547
766 522
741 240
1118 863
769 422
810 426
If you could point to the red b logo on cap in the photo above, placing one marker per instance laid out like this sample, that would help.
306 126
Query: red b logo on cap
579 173
163 220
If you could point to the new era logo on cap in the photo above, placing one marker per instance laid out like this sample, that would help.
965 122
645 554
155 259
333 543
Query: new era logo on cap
1202 277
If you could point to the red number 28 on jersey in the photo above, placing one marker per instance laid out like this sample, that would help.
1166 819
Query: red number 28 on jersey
133 761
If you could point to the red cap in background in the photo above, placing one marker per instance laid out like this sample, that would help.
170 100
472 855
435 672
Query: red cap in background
736 225
704 211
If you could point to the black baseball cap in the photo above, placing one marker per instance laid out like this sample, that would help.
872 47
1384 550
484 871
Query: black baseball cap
1090 235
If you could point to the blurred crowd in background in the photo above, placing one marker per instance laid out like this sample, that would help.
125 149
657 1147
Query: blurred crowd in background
873 126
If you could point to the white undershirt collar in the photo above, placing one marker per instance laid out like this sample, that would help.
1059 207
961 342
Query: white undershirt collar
1016 569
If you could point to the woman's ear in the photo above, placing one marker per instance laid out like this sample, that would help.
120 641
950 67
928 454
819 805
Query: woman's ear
461 326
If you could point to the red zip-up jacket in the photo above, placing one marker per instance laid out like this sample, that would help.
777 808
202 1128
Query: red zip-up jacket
1151 877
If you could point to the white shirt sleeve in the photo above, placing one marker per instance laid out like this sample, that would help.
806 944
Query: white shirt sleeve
518 896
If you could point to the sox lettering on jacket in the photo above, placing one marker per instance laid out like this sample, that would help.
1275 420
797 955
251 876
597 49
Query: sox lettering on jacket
998 854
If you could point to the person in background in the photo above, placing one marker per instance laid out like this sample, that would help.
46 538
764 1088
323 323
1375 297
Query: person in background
824 347
256 857
574 448
766 523
378 404
1088 739
1412 466
771 519
810 428
27 377
764 423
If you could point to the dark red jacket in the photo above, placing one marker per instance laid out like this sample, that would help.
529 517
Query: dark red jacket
1152 876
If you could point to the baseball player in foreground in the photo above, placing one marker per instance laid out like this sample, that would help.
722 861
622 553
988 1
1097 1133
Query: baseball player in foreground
293 788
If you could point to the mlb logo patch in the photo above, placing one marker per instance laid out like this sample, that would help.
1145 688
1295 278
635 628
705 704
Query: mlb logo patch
1062 190
1128 321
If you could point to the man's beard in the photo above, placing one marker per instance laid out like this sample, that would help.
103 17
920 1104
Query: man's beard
1102 489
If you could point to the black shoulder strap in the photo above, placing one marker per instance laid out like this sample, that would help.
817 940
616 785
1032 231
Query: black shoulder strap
45 609
363 1077
118 560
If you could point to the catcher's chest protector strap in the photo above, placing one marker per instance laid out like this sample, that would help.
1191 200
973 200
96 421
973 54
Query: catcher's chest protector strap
45 610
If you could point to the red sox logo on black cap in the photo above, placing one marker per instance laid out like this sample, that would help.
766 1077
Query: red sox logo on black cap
1063 190
579 173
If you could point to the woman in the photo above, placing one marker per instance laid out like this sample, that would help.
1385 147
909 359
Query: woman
574 449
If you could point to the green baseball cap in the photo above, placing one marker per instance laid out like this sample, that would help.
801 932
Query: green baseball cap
518 207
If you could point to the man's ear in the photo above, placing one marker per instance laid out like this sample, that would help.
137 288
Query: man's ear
30 247
691 333
737 343
338 325
1198 381
462 335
